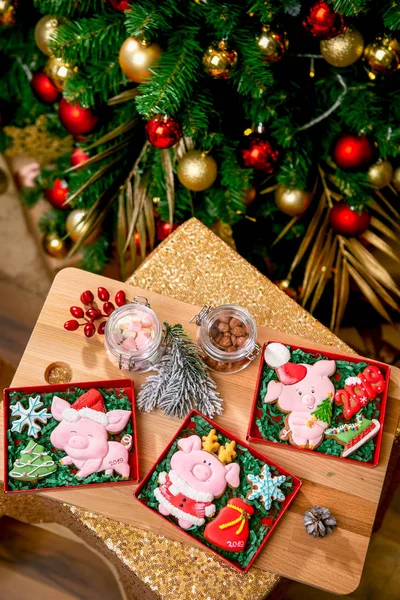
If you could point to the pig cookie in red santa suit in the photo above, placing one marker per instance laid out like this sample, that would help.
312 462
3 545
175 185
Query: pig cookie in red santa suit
195 478
230 529
300 391
83 434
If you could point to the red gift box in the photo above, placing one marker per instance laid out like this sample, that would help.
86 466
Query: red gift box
253 432
188 423
126 385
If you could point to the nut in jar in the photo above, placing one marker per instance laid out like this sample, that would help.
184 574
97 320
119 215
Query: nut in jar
227 336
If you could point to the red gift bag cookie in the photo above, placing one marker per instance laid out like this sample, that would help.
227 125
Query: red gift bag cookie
230 529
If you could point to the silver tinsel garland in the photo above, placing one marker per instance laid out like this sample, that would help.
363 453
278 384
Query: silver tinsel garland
181 382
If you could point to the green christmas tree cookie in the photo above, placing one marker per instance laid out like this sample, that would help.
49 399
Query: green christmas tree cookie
323 412
33 464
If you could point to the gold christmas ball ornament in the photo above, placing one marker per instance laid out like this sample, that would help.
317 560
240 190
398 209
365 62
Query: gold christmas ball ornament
7 12
3 181
219 59
382 56
344 49
197 170
55 246
396 179
77 227
44 31
58 71
272 44
292 202
137 57
380 174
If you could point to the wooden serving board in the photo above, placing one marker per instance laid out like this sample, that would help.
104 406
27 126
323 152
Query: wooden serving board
350 491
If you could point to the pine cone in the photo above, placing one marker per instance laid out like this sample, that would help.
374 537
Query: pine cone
318 521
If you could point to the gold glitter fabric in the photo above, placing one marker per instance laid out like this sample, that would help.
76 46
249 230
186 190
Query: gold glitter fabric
150 566
195 266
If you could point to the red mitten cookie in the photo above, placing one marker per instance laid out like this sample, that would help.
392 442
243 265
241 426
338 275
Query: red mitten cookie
230 529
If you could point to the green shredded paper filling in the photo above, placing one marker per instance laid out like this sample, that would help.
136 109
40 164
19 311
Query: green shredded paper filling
272 419
248 464
64 476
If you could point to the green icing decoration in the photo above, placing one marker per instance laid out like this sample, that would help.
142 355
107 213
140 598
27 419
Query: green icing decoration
64 476
347 431
33 464
248 464
271 420
324 411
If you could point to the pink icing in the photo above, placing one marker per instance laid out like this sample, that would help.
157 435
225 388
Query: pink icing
301 399
199 475
86 444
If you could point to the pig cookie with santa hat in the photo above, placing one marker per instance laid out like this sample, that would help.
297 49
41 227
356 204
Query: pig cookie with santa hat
199 472
304 392
82 433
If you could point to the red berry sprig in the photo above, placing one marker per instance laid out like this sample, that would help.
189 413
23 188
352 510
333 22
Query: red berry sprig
92 313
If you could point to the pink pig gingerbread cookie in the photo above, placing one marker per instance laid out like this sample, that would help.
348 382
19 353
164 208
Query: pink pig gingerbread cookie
304 392
198 474
83 434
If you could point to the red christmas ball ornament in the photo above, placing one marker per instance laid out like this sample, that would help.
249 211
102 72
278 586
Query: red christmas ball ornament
347 221
58 194
353 152
119 5
163 132
78 157
44 88
163 229
120 298
323 23
87 297
76 119
258 154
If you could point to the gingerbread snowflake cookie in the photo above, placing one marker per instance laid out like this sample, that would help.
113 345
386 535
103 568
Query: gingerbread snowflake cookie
265 487
29 417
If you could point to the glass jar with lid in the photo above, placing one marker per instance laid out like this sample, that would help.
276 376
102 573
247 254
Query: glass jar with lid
228 337
133 337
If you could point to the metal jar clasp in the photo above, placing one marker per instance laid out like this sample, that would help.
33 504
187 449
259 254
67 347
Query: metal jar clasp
254 353
200 316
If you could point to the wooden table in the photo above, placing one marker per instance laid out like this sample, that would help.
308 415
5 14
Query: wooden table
351 491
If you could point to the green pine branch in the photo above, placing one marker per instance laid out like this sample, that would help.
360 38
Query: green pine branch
146 19
173 80
95 256
252 76
70 8
90 38
94 83
391 14
351 8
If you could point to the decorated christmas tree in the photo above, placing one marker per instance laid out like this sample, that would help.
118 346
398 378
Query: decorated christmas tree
323 412
33 464
279 118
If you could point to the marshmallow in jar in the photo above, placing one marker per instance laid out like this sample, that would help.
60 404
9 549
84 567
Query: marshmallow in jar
133 337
